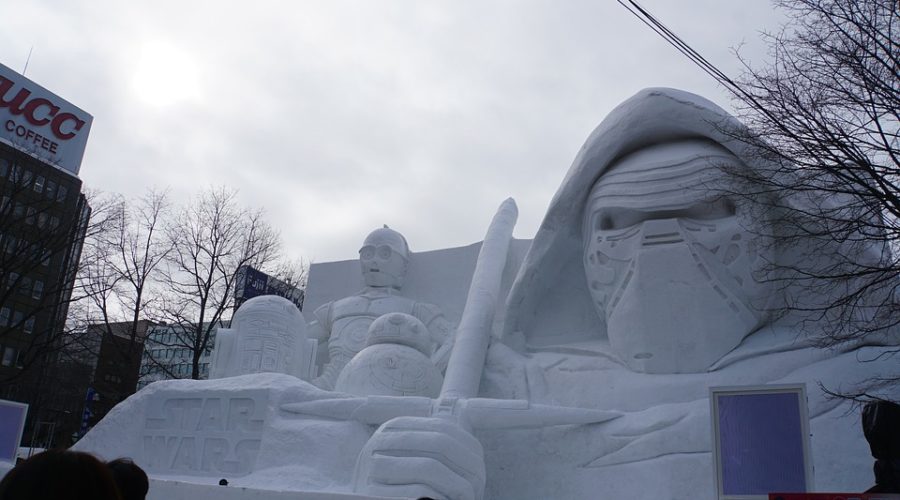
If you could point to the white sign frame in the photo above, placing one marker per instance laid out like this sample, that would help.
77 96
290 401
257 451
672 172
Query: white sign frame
42 124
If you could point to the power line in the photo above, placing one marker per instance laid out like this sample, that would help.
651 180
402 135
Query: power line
709 68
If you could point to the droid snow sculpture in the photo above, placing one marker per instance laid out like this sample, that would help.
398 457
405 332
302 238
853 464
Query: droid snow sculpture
267 334
395 361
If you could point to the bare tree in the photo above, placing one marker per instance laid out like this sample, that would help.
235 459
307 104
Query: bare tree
823 116
40 254
286 279
293 273
123 265
209 240
826 116
43 226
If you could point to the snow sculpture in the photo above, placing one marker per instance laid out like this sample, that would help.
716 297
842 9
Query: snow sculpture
267 334
344 323
640 291
415 471
425 447
671 264
395 361
662 262
443 440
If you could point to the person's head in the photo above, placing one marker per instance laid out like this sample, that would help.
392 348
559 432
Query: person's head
131 479
384 257
59 475
670 260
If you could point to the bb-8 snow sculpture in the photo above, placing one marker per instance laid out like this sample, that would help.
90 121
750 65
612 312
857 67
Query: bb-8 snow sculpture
395 362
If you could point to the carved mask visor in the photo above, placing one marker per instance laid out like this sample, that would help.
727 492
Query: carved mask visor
669 263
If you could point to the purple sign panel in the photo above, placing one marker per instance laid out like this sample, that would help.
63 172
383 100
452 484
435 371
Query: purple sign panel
761 440
12 423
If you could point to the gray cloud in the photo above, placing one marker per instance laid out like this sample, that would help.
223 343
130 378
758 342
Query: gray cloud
339 116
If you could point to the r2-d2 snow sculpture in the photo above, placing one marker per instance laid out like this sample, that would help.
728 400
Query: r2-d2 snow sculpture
267 334
395 362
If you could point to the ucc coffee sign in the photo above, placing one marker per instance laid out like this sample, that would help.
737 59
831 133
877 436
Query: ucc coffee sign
39 122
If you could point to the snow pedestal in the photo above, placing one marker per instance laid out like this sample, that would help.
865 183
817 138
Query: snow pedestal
161 489
231 428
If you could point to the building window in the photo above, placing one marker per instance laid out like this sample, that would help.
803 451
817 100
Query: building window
38 289
50 192
19 209
29 216
54 222
17 318
29 325
39 184
4 316
61 193
42 220
9 356
13 277
25 286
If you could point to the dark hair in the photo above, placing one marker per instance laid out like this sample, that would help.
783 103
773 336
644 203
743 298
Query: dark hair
881 426
59 475
131 479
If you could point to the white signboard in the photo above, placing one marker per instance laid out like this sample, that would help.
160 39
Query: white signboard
39 122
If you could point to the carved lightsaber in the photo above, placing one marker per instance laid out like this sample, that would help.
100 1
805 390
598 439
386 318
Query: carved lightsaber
474 332
458 399
477 413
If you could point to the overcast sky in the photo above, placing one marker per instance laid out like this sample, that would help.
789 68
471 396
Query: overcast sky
339 116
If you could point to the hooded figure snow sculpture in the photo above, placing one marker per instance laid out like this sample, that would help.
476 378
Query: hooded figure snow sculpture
642 252
640 291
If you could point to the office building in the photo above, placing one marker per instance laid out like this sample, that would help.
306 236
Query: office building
167 355
43 220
